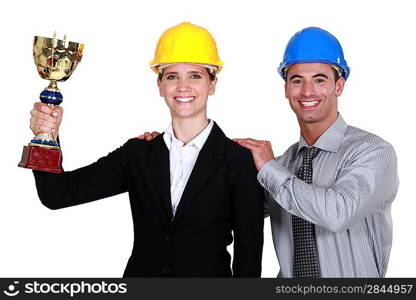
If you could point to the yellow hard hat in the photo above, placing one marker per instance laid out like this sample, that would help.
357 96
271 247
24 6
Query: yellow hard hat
186 43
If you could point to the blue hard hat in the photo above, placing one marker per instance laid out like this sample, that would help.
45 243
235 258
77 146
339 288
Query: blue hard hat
314 45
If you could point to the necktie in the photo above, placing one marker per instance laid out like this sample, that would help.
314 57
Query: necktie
305 258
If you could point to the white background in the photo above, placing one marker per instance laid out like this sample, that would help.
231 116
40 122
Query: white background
112 97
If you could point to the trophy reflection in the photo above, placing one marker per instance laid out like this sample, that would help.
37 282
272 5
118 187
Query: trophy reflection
55 61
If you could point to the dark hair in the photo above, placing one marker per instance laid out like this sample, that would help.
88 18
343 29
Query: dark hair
336 75
211 75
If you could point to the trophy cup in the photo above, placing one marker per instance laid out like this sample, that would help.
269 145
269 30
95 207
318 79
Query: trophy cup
55 61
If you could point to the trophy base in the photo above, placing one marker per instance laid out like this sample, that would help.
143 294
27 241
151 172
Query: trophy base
42 159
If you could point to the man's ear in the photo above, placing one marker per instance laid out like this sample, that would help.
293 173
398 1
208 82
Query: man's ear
286 90
339 86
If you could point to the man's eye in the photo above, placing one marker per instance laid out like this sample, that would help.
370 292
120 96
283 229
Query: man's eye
296 81
319 80
196 76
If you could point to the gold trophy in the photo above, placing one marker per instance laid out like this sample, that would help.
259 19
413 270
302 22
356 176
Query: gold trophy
55 61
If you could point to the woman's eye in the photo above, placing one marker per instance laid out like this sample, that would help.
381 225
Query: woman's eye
196 76
171 77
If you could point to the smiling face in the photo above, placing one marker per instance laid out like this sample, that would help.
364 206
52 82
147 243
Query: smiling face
186 87
313 93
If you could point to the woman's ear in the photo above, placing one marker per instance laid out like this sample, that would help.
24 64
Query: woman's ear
213 84
159 85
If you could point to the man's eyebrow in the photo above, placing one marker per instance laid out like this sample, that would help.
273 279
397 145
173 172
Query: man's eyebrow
295 76
320 75
314 76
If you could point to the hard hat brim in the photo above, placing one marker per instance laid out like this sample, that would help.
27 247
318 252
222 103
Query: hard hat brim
281 69
155 67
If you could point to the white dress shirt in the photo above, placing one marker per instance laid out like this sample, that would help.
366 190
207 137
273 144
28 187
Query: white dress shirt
182 159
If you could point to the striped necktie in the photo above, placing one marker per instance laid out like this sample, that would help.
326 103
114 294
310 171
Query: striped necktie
305 254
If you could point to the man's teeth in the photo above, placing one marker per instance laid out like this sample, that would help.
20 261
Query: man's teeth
309 103
184 99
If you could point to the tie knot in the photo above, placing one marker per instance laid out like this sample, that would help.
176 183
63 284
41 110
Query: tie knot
310 153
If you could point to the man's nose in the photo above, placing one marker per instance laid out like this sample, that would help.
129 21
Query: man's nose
308 89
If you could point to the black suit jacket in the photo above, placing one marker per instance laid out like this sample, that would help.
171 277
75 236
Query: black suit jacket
221 201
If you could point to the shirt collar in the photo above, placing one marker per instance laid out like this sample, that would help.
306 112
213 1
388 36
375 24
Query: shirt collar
197 141
331 139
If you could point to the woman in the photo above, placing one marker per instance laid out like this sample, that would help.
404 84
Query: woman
184 222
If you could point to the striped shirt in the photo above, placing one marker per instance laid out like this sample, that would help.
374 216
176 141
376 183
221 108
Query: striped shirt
354 183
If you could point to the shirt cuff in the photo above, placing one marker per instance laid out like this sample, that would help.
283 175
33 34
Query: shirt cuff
272 176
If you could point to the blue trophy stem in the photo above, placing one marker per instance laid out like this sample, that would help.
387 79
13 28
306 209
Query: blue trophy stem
51 95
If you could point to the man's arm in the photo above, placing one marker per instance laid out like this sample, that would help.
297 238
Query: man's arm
361 187
247 211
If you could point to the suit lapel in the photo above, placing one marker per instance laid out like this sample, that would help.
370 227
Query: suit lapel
158 159
209 159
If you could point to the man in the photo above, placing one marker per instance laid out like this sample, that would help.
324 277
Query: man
330 193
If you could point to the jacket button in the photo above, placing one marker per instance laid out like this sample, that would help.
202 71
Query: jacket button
166 270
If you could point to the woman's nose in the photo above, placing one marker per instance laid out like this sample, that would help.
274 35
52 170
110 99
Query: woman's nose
183 85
